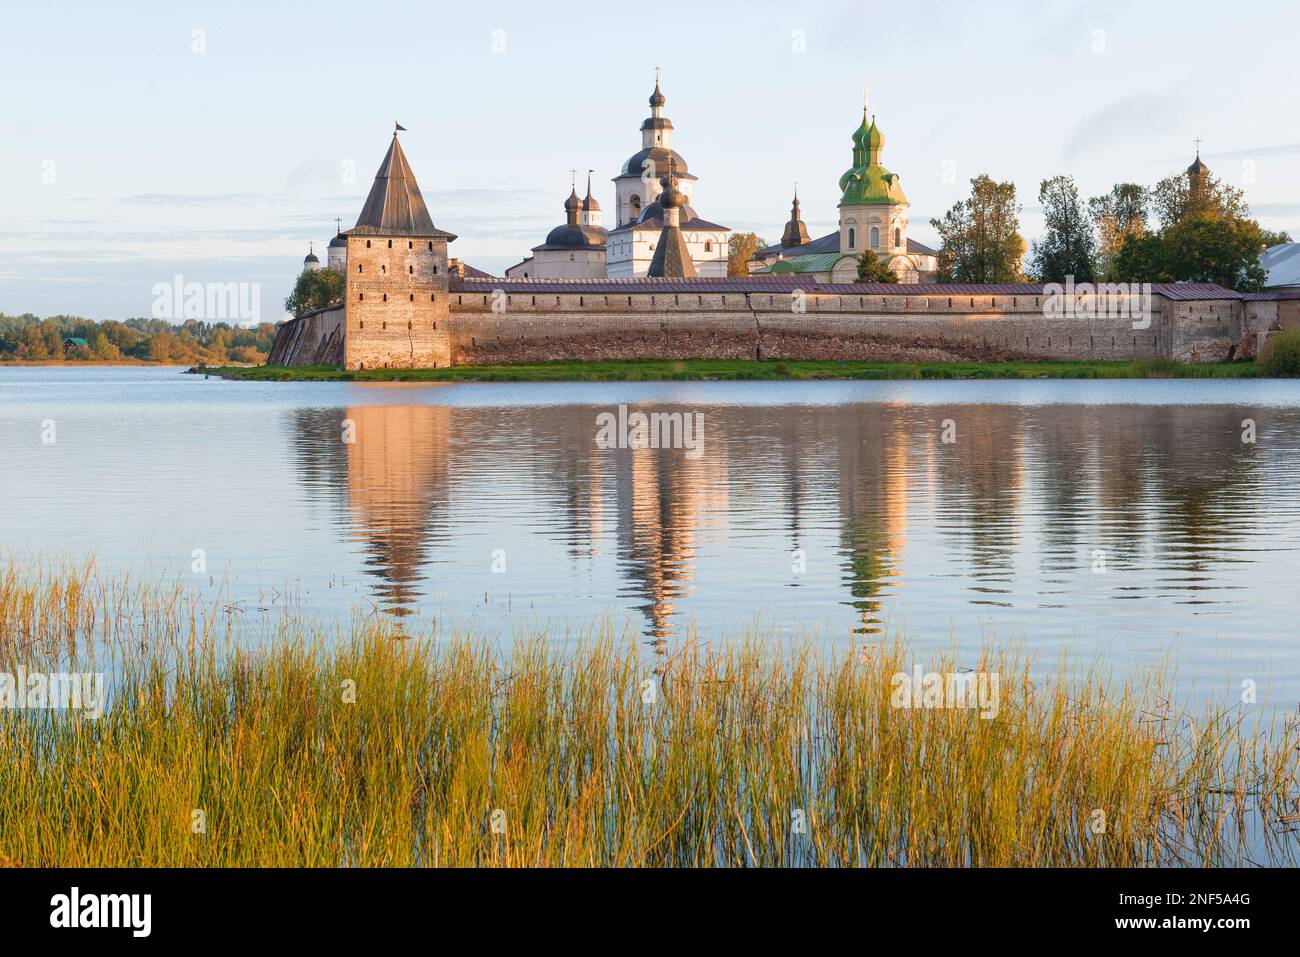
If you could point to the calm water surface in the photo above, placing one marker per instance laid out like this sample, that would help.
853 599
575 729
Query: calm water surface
827 507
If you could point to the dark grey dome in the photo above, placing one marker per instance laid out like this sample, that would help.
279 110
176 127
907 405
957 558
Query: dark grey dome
656 211
310 258
339 242
635 164
657 98
575 237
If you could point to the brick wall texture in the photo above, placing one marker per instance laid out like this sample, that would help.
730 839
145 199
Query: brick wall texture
423 324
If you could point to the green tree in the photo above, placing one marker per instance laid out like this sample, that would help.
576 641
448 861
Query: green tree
1201 249
980 236
315 289
1068 247
219 343
871 268
162 347
53 339
102 348
1117 215
33 344
1268 238
1281 353
740 250
1178 198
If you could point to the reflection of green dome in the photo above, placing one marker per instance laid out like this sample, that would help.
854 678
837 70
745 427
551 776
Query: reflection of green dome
868 183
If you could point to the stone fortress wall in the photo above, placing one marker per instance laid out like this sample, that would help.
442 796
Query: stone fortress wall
498 322
493 321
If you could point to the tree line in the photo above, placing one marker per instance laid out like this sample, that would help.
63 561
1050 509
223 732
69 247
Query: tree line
30 338
1186 228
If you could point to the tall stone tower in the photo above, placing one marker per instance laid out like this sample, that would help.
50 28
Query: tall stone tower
396 296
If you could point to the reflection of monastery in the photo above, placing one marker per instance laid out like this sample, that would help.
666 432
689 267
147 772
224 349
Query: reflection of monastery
409 492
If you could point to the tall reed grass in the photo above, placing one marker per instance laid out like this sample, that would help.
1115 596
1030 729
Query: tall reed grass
232 744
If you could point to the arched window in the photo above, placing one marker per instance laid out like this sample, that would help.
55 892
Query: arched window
875 237
708 247
898 238
636 206
853 237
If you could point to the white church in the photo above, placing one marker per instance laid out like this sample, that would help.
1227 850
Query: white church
582 248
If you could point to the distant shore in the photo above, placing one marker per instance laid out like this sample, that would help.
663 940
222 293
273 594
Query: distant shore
652 370
79 364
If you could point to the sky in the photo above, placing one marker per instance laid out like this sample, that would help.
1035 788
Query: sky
140 142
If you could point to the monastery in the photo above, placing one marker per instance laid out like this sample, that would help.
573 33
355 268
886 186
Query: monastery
655 286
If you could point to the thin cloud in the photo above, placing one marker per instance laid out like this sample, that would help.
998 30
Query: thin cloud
1283 149
1141 114
197 199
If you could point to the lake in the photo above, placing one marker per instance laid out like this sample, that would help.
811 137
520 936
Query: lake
1129 521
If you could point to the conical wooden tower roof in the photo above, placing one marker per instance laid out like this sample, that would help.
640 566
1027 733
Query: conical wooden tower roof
395 206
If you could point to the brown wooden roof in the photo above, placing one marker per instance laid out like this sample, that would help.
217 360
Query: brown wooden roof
395 206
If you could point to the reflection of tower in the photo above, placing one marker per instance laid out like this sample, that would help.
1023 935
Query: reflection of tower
664 501
874 482
397 493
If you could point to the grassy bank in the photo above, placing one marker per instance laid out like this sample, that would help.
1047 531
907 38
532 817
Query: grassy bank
738 369
360 749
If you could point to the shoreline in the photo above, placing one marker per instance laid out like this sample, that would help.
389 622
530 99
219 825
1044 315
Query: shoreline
105 363
716 370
